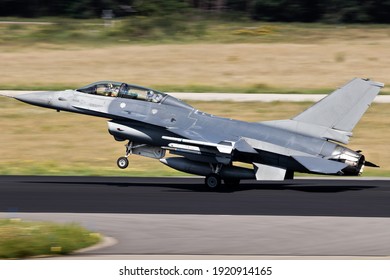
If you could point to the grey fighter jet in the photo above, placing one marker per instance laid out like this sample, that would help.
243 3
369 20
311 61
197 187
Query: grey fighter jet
155 123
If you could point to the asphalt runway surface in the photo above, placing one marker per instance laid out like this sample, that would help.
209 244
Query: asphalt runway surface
302 197
179 216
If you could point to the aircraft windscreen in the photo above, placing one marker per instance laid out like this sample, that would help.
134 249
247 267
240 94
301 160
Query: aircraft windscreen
123 90
102 88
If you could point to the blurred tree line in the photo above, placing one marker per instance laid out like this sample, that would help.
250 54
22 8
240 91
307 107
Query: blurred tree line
330 11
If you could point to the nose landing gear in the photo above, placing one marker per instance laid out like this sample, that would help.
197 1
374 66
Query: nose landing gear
123 162
144 150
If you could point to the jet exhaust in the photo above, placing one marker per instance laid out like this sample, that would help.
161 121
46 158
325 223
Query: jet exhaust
355 160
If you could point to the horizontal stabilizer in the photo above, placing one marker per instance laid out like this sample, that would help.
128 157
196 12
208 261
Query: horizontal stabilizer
320 165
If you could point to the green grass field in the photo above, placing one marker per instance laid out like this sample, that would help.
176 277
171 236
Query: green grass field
242 56
23 239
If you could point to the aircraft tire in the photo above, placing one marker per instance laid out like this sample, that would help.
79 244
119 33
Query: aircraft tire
213 181
122 162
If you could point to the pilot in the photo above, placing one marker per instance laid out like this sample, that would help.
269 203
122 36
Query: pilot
123 89
114 93
149 95
153 97
111 90
157 97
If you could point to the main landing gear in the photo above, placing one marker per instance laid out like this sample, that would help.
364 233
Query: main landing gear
214 181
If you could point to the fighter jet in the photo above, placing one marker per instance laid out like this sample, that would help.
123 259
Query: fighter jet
154 124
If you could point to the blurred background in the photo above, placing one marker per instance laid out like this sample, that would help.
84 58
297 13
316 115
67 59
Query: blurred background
244 46
335 11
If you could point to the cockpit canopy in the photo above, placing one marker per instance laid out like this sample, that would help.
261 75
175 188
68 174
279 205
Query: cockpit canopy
123 90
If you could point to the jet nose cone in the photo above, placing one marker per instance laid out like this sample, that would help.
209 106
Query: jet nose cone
36 98
12 93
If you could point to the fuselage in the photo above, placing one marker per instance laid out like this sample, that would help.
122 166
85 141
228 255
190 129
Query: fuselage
145 120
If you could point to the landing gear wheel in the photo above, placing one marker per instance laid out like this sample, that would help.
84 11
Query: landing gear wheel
213 181
231 182
122 162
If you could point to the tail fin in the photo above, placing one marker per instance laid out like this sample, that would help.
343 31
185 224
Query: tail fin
334 116
343 108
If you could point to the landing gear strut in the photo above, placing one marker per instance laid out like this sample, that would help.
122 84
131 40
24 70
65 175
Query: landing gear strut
213 180
123 162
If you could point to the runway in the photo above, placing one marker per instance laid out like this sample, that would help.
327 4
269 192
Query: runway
165 216
302 197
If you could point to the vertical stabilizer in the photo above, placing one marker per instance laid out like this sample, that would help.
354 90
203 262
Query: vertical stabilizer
343 108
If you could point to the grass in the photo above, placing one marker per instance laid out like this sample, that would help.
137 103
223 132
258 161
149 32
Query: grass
241 56
38 141
22 239
178 29
259 67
